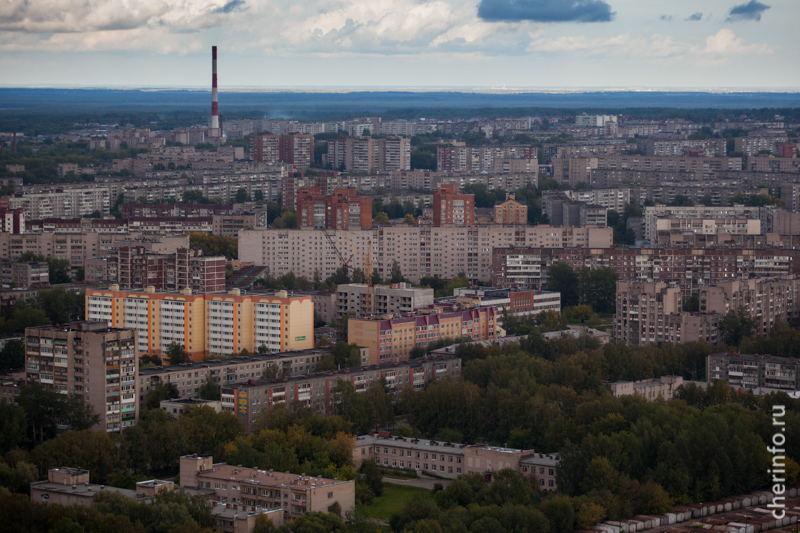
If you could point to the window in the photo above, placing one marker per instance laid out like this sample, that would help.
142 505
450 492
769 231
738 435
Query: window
330 495
458 470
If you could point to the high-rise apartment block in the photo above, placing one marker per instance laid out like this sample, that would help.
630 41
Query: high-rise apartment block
452 208
90 360
392 339
12 221
290 149
562 211
365 154
24 274
343 209
136 267
209 323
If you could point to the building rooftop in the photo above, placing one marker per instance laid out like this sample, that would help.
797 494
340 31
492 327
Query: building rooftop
270 478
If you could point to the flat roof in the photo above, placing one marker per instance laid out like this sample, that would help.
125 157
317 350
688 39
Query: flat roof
269 478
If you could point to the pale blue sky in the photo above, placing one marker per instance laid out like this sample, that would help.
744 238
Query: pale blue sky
702 44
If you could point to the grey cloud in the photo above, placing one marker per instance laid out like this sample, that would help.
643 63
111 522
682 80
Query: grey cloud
695 17
545 10
232 5
666 18
752 10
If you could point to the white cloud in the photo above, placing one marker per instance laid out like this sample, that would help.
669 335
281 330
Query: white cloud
719 48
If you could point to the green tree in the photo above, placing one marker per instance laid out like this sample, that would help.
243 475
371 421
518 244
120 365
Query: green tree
562 278
176 354
381 218
243 196
209 390
13 426
12 355
373 477
736 325
160 391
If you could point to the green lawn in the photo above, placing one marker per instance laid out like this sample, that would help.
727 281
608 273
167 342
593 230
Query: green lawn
394 499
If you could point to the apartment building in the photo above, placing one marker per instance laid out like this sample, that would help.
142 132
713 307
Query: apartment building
574 170
343 209
250 487
247 399
754 144
678 147
452 208
510 211
77 248
615 198
138 267
515 302
740 225
751 371
506 165
767 300
22 275
641 311
450 460
189 377
699 213
383 299
392 339
478 158
769 163
561 211
365 154
664 387
62 202
292 149
92 361
585 148
208 323
12 221
419 250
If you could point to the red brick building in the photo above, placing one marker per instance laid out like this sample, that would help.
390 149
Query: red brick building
343 209
450 207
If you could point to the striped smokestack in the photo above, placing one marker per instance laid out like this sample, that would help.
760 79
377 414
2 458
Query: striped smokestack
214 110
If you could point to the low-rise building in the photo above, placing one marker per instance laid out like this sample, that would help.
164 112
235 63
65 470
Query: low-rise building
515 302
450 460
391 338
663 387
294 494
24 274
247 399
576 332
175 406
751 371
189 377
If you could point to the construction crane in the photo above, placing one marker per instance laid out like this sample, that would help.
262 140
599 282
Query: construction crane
366 259
345 263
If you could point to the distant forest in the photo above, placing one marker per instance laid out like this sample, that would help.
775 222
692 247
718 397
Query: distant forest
43 111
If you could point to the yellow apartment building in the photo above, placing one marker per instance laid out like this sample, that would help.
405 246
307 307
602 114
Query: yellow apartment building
210 323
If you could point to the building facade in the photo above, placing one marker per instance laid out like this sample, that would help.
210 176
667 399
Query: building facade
750 371
392 339
392 299
208 323
90 360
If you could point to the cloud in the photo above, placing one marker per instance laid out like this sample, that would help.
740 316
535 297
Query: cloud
665 18
719 48
545 10
752 10
695 17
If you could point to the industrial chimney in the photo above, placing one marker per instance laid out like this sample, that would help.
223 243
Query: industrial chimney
214 128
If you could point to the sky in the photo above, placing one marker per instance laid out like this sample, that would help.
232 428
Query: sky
471 44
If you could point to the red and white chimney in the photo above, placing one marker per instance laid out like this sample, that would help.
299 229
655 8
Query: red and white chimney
214 109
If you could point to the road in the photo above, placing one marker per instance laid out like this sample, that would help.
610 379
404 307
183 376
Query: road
425 483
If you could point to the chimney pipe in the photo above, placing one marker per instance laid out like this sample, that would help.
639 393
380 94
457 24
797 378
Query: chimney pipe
214 111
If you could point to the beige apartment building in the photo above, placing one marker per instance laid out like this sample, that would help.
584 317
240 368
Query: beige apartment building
92 361
768 300
295 494
419 250
450 460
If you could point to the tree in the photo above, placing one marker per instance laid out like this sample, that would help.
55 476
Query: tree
176 354
161 391
397 274
373 477
288 219
381 218
209 390
243 196
598 288
562 278
12 355
258 195
737 325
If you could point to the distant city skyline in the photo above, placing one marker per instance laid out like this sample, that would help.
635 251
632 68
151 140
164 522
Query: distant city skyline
486 44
